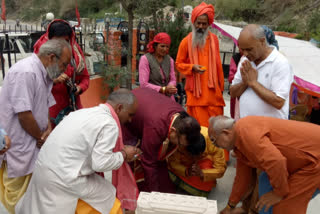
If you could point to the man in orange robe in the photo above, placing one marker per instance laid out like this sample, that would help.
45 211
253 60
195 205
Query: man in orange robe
199 60
287 151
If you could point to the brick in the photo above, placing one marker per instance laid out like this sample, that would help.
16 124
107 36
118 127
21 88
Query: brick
166 203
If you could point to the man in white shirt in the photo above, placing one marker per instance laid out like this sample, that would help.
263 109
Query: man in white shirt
79 146
264 77
262 84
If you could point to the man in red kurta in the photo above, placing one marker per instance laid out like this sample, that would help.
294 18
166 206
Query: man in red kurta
287 151
159 123
199 60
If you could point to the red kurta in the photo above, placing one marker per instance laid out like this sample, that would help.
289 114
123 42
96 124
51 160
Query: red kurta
60 91
288 151
151 124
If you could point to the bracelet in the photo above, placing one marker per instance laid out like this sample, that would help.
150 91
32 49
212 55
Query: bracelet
163 90
230 206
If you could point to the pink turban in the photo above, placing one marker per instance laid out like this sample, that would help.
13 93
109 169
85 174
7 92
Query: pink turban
161 38
202 9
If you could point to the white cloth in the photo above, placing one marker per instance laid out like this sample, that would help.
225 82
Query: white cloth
80 145
275 74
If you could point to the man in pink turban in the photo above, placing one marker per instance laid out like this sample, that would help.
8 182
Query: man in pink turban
199 60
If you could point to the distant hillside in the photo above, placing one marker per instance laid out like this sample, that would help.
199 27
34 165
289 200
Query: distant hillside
300 16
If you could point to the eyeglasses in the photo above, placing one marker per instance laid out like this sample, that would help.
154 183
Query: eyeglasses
213 140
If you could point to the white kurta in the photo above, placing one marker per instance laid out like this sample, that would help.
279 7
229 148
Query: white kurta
78 147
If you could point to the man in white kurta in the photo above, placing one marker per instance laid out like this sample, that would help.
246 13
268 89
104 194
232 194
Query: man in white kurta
78 147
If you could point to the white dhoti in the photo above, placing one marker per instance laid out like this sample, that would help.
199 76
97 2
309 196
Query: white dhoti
48 194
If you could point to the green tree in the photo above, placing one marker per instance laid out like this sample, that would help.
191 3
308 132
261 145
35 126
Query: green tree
153 8
130 6
314 25
176 29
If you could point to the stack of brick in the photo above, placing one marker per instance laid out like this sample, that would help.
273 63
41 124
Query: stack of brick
165 203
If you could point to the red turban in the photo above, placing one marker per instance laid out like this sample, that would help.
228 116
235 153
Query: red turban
160 38
202 9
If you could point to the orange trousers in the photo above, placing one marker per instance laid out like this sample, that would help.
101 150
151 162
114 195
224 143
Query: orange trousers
84 208
202 115
302 186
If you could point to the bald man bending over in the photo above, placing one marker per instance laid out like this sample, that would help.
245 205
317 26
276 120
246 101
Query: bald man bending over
286 151
262 84
83 143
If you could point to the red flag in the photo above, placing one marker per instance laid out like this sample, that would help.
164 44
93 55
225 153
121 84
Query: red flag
3 9
77 13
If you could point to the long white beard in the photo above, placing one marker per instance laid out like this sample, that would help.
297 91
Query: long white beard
199 37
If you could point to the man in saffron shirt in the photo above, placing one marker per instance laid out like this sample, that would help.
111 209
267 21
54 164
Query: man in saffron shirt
199 60
286 151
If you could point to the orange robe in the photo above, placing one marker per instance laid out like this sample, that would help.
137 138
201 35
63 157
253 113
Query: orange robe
211 162
288 151
211 102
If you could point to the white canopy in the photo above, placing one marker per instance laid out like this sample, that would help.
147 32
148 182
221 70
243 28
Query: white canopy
302 55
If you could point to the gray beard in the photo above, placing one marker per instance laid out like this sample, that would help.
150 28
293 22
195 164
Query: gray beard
53 71
198 38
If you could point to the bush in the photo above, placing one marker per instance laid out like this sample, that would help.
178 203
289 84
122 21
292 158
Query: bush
175 29
314 25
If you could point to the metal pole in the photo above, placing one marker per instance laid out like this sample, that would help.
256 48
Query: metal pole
234 49
8 45
2 59
81 41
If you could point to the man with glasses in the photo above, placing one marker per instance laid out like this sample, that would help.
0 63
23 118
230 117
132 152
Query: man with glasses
195 166
286 151
24 114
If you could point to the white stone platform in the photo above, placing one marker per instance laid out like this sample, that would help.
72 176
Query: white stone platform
165 203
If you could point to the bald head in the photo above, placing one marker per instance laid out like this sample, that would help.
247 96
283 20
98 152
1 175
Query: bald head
220 122
122 96
124 104
221 132
255 31
252 43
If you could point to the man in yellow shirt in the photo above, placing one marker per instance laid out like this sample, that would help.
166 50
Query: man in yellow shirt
195 167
